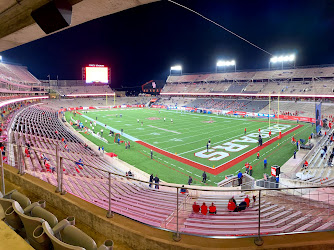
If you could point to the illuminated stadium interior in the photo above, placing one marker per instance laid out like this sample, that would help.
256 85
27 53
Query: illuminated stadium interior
231 158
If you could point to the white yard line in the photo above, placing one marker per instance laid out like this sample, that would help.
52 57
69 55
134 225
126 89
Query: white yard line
175 132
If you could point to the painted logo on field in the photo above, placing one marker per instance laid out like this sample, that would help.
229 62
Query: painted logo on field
153 118
219 152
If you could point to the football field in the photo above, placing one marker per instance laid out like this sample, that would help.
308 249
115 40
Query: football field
179 142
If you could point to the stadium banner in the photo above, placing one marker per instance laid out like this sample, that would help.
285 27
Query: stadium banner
264 115
295 118
159 106
318 117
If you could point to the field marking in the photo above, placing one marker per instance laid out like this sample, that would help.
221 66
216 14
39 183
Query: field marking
203 117
219 142
113 129
175 132
226 165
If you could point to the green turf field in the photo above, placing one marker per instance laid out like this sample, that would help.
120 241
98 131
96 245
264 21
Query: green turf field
187 137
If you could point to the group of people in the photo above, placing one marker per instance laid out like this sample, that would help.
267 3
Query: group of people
101 149
234 207
156 181
47 164
204 208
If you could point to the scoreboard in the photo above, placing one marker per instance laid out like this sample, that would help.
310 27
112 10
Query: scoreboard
96 73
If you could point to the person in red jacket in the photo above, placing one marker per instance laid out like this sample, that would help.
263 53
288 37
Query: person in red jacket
247 201
247 167
269 133
212 209
204 209
231 206
258 155
196 207
305 164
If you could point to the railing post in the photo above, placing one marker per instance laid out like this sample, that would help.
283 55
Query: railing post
2 175
22 159
57 159
19 162
62 190
259 241
109 214
58 170
328 205
177 236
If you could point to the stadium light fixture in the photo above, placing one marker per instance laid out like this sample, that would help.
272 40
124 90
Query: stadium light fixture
224 64
177 68
282 59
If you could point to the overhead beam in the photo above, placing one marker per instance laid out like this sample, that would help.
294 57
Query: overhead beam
17 27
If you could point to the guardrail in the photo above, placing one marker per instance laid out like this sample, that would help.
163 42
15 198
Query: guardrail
269 198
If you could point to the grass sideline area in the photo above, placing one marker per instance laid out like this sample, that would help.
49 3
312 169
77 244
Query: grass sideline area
187 137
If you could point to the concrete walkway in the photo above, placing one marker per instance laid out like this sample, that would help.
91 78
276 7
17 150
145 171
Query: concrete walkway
11 240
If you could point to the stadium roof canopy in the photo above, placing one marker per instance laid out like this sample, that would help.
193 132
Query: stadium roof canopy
17 27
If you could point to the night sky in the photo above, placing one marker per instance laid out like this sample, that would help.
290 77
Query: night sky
141 44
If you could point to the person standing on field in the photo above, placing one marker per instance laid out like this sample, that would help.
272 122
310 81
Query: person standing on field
247 167
190 180
204 177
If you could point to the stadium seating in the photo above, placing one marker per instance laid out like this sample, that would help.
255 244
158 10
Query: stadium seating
17 74
91 89
95 102
90 184
275 217
229 104
288 81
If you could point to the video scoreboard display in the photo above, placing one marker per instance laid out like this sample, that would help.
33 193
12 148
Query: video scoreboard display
96 73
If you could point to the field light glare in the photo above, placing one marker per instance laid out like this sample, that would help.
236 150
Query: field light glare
225 63
176 67
286 58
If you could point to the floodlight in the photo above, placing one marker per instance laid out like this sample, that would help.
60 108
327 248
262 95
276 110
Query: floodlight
281 59
225 63
176 67
0 58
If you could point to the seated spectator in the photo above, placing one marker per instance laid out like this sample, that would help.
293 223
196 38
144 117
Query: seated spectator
204 209
242 206
79 163
129 173
247 201
234 200
212 209
183 190
196 207
231 206
26 151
